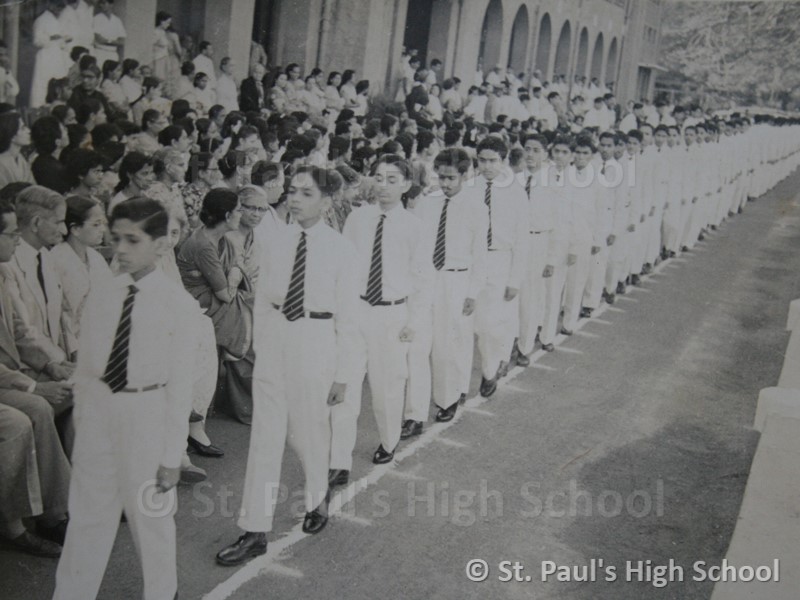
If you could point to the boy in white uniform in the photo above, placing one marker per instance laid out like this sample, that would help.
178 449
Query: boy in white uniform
133 397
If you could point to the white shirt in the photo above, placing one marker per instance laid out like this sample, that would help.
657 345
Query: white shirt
406 252
508 219
584 204
542 207
161 348
110 27
204 64
77 279
227 94
465 234
329 286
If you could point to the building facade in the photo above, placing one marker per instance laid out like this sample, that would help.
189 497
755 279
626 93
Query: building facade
614 40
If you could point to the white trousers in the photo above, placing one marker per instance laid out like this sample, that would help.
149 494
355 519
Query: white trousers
114 463
418 386
671 225
639 246
554 290
654 236
618 261
598 264
453 338
384 358
533 292
496 319
577 276
292 377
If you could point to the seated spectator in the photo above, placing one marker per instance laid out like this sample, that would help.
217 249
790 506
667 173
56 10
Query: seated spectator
77 264
89 89
118 103
224 292
135 177
49 137
14 136
203 175
146 142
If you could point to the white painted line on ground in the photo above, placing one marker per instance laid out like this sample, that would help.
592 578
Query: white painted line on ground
449 442
279 569
614 308
478 411
642 289
628 298
585 334
570 350
600 321
345 516
543 367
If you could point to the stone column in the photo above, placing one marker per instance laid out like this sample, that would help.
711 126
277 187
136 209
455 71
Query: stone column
139 18
229 27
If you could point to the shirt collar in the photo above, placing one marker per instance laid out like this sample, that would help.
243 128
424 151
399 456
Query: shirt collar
312 231
27 252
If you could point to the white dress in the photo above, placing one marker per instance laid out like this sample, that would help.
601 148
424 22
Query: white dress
111 28
76 278
49 58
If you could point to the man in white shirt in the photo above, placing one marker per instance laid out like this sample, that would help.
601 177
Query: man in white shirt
227 89
542 220
203 63
497 308
305 308
109 33
269 177
394 279
458 224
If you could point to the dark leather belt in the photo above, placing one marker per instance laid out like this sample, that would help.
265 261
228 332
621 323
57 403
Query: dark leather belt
147 388
309 314
384 302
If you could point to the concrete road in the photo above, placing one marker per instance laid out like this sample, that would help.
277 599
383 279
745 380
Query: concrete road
632 442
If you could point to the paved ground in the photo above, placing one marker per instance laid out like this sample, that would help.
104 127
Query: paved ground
632 442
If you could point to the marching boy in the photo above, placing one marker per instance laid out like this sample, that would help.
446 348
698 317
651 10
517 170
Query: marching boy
133 396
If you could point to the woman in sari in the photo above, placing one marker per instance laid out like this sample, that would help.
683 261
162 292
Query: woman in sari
224 292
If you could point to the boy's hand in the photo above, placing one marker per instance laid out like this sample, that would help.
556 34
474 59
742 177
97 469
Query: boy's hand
167 478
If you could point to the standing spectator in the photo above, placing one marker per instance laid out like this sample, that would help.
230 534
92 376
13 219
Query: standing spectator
131 80
203 63
161 45
109 33
50 60
9 88
252 98
227 93
347 89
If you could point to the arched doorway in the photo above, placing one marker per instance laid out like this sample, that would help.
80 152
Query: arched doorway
611 64
543 46
491 37
561 66
518 48
597 59
583 53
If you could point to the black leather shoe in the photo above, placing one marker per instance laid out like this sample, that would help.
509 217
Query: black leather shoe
635 279
30 543
338 477
647 269
502 370
205 450
316 520
672 254
621 288
713 227
586 313
462 399
410 429
443 415
382 456
701 237
609 297
566 331
56 533
740 210
548 347
684 248
522 360
488 386
248 546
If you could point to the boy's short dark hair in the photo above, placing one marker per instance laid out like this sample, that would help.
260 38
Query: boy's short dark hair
494 144
397 161
148 214
453 157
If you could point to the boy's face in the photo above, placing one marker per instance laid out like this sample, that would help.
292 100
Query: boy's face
490 163
582 154
391 185
606 148
534 154
136 251
450 180
562 155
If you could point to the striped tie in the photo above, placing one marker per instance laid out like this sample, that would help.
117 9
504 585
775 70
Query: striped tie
528 186
439 249
487 198
293 304
116 373
375 280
